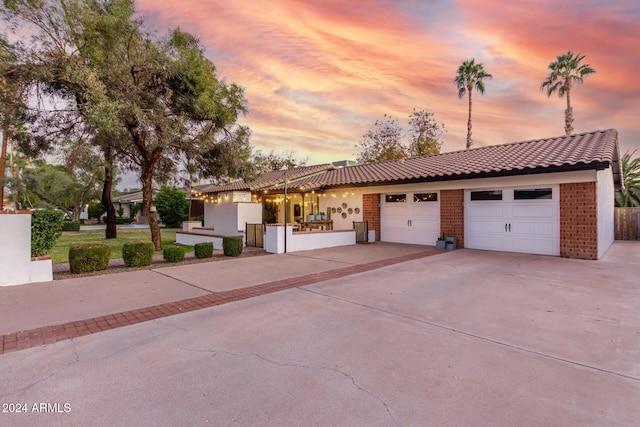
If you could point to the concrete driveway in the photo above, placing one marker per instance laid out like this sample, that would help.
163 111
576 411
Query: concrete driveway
461 338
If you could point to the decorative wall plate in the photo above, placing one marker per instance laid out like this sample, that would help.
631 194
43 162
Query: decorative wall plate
339 210
333 210
344 214
357 210
350 211
344 205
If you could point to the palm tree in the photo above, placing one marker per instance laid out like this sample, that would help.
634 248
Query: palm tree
470 76
629 196
566 70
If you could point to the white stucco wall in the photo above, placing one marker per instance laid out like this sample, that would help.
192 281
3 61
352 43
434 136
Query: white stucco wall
248 213
335 199
606 200
15 252
228 217
275 239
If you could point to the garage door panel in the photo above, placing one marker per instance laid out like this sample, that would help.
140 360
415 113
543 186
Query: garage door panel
528 210
545 229
484 226
485 241
529 226
533 245
491 210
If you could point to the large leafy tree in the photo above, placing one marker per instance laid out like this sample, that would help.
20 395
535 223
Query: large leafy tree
61 188
629 196
172 205
566 70
389 141
470 76
425 133
144 100
383 142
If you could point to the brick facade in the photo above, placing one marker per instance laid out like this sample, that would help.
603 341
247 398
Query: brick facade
579 220
371 212
452 214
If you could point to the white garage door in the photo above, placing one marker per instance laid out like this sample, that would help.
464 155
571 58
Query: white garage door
410 217
523 219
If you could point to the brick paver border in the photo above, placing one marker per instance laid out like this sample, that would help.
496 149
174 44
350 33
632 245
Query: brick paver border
22 340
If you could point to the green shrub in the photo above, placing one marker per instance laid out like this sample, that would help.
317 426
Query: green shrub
124 221
87 257
71 226
199 218
137 254
203 250
46 227
173 253
232 246
172 206
95 210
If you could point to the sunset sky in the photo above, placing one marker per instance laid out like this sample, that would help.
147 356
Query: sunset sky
318 73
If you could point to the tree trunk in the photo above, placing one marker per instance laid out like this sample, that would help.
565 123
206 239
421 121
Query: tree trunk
469 140
147 201
568 116
111 231
3 158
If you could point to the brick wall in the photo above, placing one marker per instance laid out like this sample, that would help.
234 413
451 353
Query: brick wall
371 212
579 220
452 214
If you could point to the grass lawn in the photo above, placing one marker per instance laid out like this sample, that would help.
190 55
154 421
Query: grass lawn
60 252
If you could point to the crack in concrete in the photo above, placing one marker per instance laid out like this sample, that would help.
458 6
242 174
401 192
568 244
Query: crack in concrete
295 365
75 353
158 321
476 336
182 281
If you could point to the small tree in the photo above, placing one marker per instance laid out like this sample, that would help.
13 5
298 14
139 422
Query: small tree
172 206
95 210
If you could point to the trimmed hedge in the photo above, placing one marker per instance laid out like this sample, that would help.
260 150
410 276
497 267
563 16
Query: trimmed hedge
232 246
71 226
173 253
203 250
46 227
137 254
87 257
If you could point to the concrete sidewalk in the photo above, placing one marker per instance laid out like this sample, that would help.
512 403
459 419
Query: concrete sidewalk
37 305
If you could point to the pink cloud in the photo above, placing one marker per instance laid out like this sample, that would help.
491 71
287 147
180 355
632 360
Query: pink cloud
318 74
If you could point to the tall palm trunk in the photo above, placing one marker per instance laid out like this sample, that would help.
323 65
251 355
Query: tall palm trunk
568 113
3 157
469 140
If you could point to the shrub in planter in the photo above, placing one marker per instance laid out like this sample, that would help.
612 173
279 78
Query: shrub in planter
232 246
46 227
173 253
71 226
137 254
203 250
87 257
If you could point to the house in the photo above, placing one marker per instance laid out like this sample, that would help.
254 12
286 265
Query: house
552 196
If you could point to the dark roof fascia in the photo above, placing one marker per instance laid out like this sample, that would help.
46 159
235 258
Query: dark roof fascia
493 174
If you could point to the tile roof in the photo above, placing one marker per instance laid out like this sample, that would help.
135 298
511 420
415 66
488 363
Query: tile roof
269 179
591 150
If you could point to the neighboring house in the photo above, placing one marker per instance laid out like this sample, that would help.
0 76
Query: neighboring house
551 196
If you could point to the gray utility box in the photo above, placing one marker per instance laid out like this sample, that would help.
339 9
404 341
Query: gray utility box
451 243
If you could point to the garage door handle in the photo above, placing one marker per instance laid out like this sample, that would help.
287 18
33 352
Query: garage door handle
505 228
